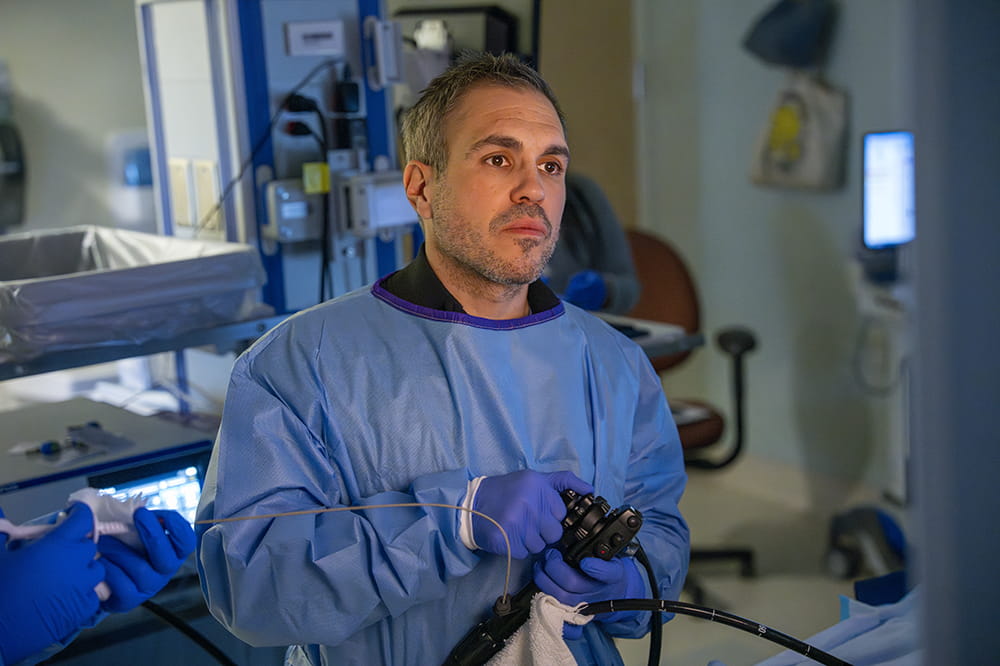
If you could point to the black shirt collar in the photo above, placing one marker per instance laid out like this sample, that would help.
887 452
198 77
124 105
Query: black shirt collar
418 284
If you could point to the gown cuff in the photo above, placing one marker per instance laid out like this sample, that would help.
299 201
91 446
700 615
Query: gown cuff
465 527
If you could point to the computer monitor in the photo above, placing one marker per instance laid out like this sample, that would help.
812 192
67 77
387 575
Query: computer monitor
167 484
888 197
887 189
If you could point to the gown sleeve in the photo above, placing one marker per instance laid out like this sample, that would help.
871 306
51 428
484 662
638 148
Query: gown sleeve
654 486
314 577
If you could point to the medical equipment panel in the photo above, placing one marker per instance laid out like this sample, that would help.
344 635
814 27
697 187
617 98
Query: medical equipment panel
173 484
248 103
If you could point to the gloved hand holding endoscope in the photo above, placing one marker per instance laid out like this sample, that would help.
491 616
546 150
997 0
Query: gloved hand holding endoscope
591 532
48 586
528 506
595 580
134 577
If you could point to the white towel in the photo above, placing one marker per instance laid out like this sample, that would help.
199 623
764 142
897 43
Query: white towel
112 516
540 640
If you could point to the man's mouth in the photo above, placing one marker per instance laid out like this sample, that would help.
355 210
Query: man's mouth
528 226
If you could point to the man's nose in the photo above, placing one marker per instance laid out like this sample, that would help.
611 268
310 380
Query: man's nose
530 187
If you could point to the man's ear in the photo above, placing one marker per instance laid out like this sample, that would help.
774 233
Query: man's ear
417 178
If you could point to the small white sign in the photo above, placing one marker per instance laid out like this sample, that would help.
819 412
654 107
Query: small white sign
313 38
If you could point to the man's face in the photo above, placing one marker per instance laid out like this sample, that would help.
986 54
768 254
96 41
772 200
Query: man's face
495 211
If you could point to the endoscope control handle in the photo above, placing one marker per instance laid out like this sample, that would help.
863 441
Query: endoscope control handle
590 530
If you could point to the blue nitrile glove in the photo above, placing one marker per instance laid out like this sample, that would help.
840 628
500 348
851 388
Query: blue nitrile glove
134 577
599 580
587 290
47 586
528 506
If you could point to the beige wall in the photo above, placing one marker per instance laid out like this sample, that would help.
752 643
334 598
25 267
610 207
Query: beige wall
585 54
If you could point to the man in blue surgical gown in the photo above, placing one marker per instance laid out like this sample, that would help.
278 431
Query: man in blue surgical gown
459 380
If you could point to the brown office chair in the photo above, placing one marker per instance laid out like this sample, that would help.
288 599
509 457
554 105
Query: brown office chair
669 295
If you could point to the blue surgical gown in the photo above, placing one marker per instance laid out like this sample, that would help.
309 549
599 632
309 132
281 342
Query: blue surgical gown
369 399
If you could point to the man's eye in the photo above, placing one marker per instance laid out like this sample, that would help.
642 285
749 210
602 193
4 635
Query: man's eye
553 168
496 160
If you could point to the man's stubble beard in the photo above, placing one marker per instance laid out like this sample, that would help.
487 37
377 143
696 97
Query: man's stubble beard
468 249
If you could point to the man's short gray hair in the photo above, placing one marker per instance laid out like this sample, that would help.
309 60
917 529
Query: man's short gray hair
422 130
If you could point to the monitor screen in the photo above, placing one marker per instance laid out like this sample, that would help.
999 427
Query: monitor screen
168 484
179 490
888 189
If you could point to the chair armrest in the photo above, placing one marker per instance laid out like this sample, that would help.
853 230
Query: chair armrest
736 340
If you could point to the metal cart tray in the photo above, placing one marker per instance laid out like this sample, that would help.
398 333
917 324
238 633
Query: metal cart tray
90 286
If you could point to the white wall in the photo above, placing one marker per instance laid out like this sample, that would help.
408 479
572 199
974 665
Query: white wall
77 78
775 260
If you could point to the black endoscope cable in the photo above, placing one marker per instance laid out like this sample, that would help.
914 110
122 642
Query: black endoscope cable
189 631
655 622
261 142
299 128
714 615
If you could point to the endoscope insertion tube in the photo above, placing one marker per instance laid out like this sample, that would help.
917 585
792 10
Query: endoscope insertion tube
714 615
505 597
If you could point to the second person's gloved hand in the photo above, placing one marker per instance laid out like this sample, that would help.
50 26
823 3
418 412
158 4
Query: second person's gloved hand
587 290
528 506
47 586
595 580
134 577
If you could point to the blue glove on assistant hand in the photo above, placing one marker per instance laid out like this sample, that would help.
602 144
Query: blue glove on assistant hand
47 586
587 290
527 505
599 580
134 577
